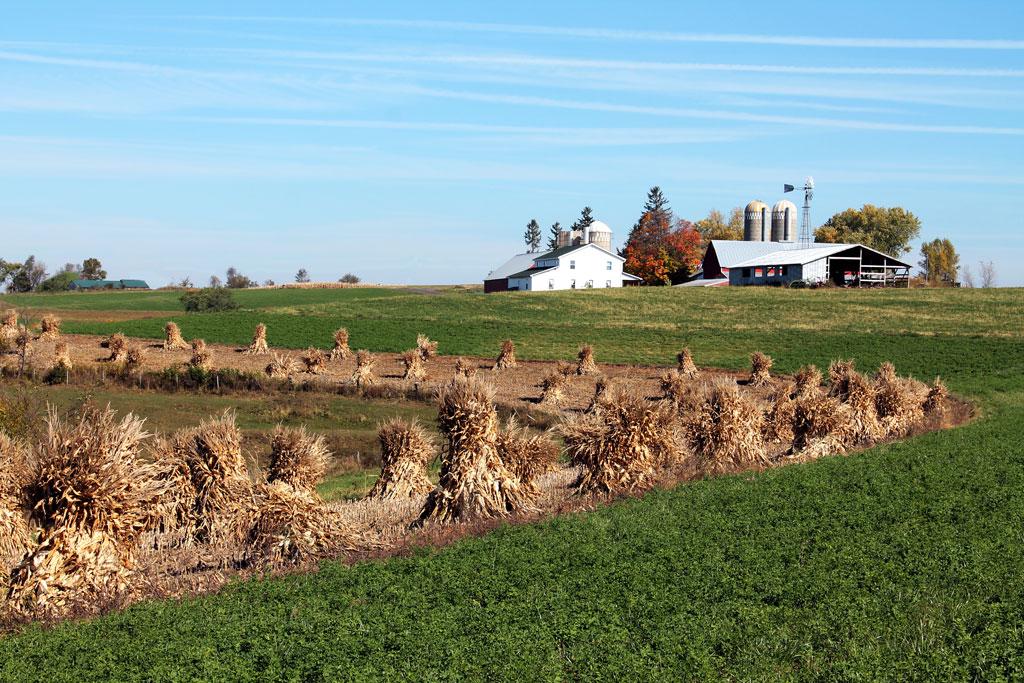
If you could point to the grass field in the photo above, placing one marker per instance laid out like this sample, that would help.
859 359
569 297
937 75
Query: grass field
899 563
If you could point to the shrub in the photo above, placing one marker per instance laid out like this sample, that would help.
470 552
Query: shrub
209 300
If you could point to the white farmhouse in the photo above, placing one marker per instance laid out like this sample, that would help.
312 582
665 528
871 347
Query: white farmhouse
585 266
583 259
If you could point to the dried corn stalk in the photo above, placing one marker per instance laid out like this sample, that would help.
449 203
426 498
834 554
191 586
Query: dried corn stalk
619 448
553 387
778 418
201 357
726 431
314 361
427 348
282 366
117 344
585 363
822 425
600 393
258 346
289 526
935 402
90 495
363 375
173 341
760 369
473 483
465 368
15 536
686 366
218 471
527 456
8 329
507 356
62 358
134 357
297 458
413 362
897 400
808 381
341 350
405 452
49 327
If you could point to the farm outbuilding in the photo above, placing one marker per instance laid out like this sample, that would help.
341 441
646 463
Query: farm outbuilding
497 279
91 285
845 265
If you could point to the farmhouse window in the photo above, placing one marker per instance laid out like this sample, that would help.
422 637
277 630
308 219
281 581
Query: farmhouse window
607 283
572 265
590 284
609 265
572 284
551 283
746 272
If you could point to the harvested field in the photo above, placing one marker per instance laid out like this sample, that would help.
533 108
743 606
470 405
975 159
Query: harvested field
515 387
218 517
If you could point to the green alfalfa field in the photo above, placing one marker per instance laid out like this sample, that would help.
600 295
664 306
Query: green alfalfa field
900 562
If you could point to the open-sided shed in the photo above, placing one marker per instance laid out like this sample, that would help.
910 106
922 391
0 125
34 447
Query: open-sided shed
846 265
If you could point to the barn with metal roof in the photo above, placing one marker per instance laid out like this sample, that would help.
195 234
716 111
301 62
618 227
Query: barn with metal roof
92 285
845 265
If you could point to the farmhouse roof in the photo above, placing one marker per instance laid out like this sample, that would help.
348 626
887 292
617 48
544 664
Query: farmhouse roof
530 272
513 265
562 251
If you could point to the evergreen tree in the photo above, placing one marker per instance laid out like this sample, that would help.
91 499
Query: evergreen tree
656 211
555 231
532 235
585 219
657 204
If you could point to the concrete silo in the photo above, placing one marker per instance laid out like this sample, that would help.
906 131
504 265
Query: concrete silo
756 222
784 221
600 234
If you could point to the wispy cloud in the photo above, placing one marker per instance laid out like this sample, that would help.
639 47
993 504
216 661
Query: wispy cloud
546 135
646 35
523 60
694 113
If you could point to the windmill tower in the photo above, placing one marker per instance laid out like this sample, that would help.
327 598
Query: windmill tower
806 235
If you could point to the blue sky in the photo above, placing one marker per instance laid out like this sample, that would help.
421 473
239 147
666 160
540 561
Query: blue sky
411 142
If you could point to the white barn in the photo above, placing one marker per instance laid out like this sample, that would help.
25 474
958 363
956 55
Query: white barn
582 266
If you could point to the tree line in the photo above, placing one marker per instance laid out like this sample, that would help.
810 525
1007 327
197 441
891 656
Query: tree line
31 275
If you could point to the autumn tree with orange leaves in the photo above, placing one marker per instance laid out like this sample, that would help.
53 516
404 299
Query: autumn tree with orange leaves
661 250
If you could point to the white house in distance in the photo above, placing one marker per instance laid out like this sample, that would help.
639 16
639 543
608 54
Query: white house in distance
583 260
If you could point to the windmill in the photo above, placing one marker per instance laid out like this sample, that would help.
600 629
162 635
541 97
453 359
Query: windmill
806 238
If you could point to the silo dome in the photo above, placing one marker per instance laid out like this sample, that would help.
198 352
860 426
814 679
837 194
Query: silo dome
784 221
756 222
600 235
